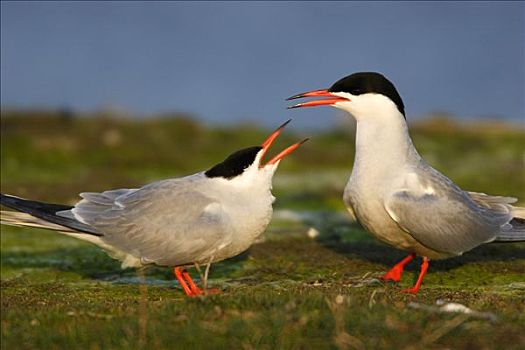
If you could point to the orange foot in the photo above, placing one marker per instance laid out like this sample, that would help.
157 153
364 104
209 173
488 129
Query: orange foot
189 287
186 282
395 273
415 288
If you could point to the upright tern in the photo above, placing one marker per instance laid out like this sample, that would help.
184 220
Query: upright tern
198 219
396 195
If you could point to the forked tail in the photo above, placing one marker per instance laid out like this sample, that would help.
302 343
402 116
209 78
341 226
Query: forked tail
514 234
516 227
41 215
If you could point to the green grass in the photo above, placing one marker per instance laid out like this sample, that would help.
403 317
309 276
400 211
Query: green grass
288 291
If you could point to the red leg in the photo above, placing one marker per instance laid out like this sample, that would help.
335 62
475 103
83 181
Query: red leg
195 290
424 268
180 277
394 274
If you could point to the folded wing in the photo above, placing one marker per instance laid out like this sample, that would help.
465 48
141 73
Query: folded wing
166 222
444 218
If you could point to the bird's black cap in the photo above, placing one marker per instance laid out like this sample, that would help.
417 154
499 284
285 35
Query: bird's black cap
369 82
235 164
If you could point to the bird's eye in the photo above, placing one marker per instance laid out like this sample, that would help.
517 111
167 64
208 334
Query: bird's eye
356 92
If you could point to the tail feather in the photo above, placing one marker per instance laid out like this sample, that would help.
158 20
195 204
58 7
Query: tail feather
518 213
16 218
42 215
514 234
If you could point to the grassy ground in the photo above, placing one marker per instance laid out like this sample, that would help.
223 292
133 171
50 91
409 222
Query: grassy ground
289 291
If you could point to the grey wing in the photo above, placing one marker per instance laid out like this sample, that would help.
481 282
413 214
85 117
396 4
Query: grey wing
444 218
167 222
514 229
498 204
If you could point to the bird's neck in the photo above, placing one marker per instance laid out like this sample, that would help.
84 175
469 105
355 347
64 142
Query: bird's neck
383 144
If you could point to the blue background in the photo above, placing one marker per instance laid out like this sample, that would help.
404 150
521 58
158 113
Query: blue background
229 61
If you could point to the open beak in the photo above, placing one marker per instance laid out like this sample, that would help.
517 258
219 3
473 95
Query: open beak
330 100
270 139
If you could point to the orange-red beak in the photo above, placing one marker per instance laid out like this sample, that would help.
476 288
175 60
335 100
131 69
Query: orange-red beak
316 93
270 139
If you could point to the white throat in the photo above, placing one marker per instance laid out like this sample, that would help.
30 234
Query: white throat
383 144
386 139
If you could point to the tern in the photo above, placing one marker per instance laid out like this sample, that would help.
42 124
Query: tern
194 220
399 198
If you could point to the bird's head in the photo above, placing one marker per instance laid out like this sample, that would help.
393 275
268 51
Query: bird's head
363 95
247 165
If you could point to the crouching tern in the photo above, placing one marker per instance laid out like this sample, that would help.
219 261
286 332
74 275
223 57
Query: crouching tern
396 195
198 219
